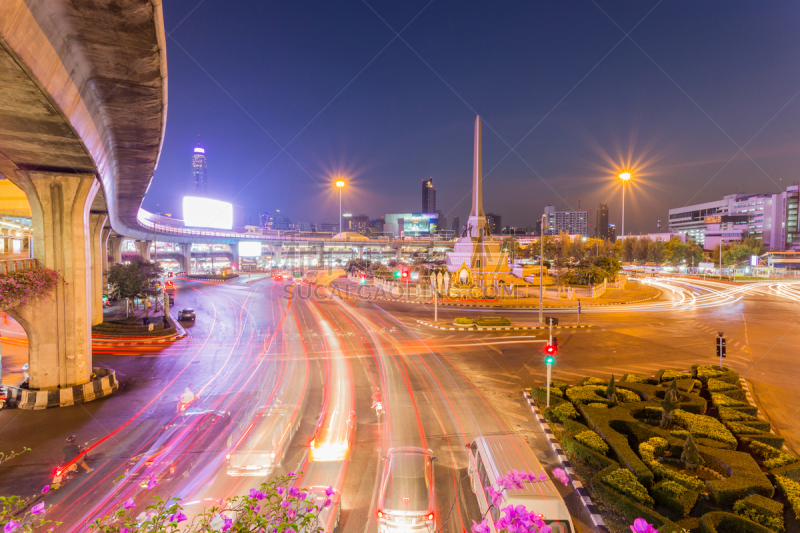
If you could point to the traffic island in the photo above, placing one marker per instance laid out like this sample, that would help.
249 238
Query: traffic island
104 383
685 451
452 326
132 332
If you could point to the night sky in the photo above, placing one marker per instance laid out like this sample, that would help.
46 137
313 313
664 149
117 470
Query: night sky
700 100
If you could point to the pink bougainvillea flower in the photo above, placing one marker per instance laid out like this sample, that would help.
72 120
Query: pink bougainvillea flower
257 494
227 523
483 527
151 482
123 530
329 492
128 504
11 526
46 489
38 508
177 517
280 491
560 475
327 502
640 525
495 495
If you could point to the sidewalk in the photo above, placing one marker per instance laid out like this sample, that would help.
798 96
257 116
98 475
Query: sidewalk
633 293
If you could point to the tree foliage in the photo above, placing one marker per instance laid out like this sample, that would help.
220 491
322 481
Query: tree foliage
135 280
24 288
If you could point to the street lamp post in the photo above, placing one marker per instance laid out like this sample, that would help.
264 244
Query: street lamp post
340 186
541 271
625 176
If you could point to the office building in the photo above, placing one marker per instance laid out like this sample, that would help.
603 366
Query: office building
428 196
601 229
612 233
356 223
771 217
571 222
441 225
456 226
275 221
306 226
200 170
495 223
329 227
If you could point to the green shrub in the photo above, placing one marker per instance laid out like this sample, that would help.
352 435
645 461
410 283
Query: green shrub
493 321
560 385
719 522
565 411
659 445
748 427
628 506
627 396
464 320
587 394
715 385
594 381
661 472
790 489
773 458
625 482
727 414
770 439
706 372
572 426
704 426
675 497
633 378
648 411
761 510
679 433
586 454
746 477
723 400
669 375
592 440
736 394
598 405
539 394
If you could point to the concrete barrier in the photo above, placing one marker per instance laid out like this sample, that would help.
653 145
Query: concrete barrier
106 384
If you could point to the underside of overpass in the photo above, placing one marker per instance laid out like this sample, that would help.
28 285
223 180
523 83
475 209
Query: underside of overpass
83 98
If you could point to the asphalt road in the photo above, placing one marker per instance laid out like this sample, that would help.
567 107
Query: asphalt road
262 355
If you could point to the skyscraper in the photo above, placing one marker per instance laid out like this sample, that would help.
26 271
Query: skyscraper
428 196
199 170
457 226
601 230
495 223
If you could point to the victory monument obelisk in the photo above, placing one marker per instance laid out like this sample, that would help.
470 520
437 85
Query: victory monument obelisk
477 249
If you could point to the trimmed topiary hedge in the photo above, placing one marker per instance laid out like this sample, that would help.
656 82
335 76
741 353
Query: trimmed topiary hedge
585 394
624 481
661 472
677 498
773 458
761 510
791 490
493 321
593 441
716 385
718 522
705 426
565 411
586 454
464 321
633 378
723 400
728 414
627 396
539 394
745 476
770 439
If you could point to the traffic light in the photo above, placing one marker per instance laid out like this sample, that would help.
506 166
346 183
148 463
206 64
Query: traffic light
396 273
549 360
549 350
170 275
405 274
363 280
721 348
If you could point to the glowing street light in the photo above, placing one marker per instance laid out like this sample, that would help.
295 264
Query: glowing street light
340 186
625 177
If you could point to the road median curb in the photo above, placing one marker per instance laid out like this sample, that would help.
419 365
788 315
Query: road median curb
180 333
106 384
499 328
586 499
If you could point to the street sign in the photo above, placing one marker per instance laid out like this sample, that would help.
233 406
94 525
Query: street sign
551 321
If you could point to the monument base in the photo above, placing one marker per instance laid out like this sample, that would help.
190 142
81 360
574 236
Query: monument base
482 255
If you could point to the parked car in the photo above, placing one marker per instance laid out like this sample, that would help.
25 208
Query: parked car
187 314
407 499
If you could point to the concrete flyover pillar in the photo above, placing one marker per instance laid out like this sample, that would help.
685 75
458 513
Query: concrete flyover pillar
398 253
234 256
185 251
143 247
59 328
98 248
105 251
361 253
320 254
276 255
115 248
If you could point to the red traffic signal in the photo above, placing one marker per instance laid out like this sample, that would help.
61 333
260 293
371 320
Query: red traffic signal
404 274
550 349
170 275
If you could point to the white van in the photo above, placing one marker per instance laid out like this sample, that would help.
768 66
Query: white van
491 458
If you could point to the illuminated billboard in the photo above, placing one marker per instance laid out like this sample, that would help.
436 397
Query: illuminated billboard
411 224
249 249
207 213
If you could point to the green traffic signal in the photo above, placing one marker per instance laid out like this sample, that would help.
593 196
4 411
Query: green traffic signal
397 273
549 360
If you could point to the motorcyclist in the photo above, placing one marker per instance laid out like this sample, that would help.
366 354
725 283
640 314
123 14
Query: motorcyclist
72 451
186 398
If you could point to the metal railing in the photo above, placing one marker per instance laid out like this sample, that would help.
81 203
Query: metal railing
12 266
